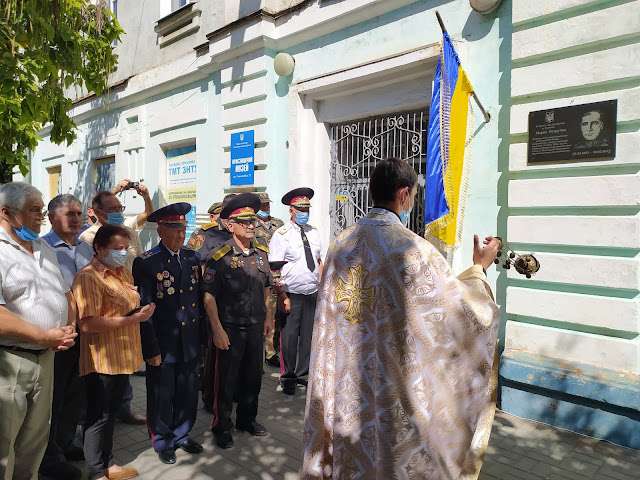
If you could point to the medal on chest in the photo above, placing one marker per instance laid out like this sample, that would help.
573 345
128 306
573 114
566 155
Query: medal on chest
236 262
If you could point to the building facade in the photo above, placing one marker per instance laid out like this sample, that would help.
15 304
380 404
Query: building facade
192 75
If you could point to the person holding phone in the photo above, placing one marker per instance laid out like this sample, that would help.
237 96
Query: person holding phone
110 345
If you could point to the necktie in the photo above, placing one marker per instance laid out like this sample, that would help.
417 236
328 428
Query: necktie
307 251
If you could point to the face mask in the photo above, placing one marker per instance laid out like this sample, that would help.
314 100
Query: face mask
262 214
405 217
116 258
115 218
302 218
26 234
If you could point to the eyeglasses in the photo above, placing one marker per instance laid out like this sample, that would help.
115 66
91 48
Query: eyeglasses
37 211
113 209
246 223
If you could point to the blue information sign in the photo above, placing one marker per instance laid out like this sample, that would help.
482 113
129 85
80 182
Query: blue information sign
242 158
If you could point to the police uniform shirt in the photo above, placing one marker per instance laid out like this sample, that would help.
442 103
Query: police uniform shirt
173 282
237 280
286 245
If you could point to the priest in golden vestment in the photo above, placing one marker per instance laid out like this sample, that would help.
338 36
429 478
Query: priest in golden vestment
402 377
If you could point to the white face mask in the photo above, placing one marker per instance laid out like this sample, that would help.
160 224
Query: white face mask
116 258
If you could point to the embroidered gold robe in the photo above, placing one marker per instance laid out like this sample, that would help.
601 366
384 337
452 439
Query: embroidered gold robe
402 376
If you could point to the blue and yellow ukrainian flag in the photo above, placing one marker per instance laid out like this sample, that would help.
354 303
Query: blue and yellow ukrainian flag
445 145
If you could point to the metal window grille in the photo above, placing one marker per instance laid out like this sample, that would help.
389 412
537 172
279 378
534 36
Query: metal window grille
357 146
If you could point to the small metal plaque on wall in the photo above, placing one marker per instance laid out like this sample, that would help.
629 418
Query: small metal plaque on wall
575 133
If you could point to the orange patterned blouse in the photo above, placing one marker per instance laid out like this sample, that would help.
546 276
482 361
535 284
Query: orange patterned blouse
101 291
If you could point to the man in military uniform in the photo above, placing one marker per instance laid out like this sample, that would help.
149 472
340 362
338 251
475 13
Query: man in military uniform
265 228
236 287
170 276
266 225
300 245
207 237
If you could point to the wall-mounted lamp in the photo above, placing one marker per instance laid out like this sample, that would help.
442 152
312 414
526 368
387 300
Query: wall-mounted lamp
283 64
485 7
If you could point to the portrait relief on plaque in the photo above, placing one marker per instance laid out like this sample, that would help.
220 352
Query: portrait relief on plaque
574 133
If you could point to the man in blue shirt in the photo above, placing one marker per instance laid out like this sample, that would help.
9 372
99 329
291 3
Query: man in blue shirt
65 215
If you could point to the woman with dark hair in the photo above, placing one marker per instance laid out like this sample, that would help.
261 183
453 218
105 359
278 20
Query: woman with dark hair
110 348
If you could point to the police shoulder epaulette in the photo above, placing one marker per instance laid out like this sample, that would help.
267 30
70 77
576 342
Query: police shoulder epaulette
284 229
262 246
221 252
209 225
152 252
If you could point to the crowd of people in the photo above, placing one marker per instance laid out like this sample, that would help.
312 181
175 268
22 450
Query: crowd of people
84 307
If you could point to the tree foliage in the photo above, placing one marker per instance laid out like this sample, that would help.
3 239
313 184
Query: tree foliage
46 47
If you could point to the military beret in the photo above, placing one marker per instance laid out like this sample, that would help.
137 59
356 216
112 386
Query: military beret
298 197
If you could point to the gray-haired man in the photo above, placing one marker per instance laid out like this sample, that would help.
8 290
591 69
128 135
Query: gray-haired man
35 319
65 215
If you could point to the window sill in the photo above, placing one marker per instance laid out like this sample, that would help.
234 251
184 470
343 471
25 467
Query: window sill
178 24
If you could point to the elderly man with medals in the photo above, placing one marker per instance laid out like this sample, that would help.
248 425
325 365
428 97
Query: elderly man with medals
169 275
237 283
401 380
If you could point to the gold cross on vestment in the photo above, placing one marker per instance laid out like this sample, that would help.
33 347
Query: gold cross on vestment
354 293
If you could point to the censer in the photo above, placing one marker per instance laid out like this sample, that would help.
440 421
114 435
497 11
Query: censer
525 264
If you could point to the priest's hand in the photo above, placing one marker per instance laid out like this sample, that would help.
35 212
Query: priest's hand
485 254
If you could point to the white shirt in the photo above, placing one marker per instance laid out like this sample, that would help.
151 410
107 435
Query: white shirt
135 248
286 245
31 286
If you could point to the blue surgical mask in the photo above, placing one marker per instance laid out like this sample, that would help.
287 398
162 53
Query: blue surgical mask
26 234
302 218
405 217
115 218
116 258
263 215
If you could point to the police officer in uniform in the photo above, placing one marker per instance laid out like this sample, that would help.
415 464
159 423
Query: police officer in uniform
170 276
299 244
237 282
266 227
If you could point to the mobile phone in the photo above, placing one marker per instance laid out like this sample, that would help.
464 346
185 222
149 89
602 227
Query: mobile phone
135 310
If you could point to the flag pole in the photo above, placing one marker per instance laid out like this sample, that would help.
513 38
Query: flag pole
486 114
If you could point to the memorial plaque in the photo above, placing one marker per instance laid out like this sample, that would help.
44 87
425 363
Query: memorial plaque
578 132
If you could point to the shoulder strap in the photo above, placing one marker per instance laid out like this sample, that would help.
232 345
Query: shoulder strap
221 251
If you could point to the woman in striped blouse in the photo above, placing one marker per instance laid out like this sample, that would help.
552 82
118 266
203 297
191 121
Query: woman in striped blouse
110 349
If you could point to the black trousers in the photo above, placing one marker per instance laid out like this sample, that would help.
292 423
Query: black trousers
208 375
172 403
295 338
127 397
67 406
104 397
238 374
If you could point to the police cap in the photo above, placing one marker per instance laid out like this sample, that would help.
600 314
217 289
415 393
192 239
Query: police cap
298 197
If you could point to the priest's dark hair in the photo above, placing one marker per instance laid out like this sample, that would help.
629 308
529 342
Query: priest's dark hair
106 232
390 175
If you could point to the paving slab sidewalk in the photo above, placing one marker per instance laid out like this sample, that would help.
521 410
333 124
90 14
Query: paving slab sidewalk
518 450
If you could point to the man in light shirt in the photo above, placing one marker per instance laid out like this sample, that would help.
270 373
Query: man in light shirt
65 215
298 244
107 209
35 320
